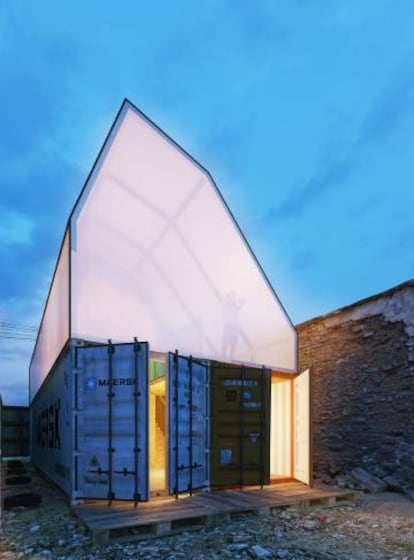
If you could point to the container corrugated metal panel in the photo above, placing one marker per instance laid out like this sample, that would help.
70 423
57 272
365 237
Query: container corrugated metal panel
240 426
188 424
15 431
111 390
89 422
1 441
52 425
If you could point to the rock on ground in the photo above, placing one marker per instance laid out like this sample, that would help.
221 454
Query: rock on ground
368 481
380 526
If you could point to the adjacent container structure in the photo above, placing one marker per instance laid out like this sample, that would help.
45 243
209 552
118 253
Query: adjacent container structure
152 260
15 435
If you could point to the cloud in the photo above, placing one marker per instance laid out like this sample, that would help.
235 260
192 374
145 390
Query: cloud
302 260
15 354
14 394
38 68
15 228
334 175
359 210
382 119
388 109
399 247
231 139
14 362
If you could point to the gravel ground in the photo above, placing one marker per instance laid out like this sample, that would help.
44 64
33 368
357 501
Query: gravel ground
379 526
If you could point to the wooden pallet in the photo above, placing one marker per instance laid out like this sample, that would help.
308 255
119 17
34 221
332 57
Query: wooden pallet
122 522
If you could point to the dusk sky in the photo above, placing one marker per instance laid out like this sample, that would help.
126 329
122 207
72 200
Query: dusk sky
303 112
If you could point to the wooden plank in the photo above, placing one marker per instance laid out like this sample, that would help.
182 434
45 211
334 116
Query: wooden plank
163 528
150 518
227 502
100 536
168 516
173 508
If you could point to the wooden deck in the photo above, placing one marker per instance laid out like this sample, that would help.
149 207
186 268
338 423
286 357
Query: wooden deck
161 517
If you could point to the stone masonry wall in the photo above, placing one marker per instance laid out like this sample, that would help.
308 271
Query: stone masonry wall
362 366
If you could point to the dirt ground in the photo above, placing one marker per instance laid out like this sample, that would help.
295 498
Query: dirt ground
377 526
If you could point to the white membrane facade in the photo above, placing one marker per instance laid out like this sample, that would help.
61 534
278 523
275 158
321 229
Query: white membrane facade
157 255
54 328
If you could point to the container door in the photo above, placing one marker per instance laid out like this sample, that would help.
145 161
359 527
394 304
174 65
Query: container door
111 392
240 426
302 428
188 424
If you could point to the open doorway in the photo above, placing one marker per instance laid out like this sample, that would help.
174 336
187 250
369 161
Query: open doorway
157 424
281 433
290 428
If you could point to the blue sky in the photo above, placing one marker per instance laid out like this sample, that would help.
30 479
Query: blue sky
302 111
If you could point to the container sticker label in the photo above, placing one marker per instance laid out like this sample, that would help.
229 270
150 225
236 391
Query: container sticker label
96 479
225 457
90 383
94 462
239 382
254 436
231 395
117 381
253 404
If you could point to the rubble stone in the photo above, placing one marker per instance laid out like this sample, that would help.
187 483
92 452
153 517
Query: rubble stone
338 533
362 368
260 552
368 481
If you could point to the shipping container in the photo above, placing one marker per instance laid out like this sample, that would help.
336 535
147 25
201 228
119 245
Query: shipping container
119 422
15 431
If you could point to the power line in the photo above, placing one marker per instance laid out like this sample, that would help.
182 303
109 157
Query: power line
17 337
11 330
17 326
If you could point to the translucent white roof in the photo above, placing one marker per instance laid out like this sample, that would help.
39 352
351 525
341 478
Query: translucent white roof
54 328
155 253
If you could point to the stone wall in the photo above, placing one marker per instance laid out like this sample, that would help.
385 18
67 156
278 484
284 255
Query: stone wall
362 365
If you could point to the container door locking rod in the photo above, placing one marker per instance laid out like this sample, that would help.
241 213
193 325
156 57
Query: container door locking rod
190 438
111 394
241 443
137 395
262 425
176 424
76 382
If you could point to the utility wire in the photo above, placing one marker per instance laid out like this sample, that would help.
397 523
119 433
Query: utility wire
17 337
17 331
17 326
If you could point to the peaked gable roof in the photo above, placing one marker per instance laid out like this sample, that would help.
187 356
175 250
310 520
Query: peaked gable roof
153 251
157 253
